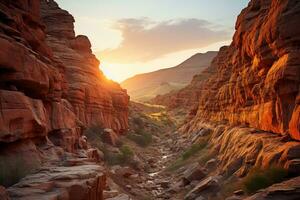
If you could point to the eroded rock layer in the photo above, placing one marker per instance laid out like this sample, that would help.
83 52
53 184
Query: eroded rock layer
95 100
50 90
257 82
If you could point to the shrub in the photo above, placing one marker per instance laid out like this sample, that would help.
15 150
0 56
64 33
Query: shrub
138 121
124 157
93 135
261 178
195 148
142 139
127 153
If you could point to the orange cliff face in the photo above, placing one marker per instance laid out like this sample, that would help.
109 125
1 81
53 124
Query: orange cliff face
95 100
51 88
256 80
50 81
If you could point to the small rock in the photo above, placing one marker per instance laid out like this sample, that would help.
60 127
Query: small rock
110 193
164 184
120 197
129 187
133 176
239 192
211 163
293 166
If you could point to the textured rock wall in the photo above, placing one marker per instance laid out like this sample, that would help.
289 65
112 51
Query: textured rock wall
50 89
238 149
95 99
258 81
49 78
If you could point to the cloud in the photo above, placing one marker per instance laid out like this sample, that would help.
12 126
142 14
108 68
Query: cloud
144 40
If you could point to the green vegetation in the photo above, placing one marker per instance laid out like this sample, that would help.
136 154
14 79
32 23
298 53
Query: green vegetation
125 157
176 165
261 178
195 148
143 139
93 135
190 152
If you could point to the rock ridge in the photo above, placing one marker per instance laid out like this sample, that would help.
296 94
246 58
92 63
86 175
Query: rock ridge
255 80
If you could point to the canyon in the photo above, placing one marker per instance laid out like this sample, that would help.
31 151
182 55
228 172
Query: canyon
69 133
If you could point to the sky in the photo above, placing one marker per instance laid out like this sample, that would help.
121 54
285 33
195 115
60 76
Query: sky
137 36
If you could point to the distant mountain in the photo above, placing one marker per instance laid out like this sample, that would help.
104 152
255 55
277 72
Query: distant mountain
143 87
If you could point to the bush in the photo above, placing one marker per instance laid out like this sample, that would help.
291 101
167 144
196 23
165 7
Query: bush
195 148
94 136
143 139
127 153
262 178
124 157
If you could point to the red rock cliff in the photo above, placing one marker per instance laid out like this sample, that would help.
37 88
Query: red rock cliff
50 88
257 78
95 100
49 78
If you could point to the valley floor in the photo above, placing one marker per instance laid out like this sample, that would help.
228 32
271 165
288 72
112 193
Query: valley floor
213 162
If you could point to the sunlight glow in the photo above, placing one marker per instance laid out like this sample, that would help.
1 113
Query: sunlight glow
119 72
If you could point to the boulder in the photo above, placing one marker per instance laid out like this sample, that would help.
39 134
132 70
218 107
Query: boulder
95 155
82 182
193 173
109 136
208 185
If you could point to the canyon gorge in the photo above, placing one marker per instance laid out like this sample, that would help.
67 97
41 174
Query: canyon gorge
69 133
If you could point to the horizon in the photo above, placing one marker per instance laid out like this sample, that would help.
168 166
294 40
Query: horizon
135 39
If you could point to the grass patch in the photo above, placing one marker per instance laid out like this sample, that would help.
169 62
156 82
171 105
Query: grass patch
262 178
190 152
195 148
143 139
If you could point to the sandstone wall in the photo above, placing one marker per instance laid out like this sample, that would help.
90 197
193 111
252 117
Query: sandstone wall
257 82
50 90
95 100
50 79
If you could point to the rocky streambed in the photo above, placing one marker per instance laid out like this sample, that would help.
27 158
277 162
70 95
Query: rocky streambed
216 170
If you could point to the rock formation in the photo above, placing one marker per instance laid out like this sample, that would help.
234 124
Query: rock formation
51 89
95 100
256 80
